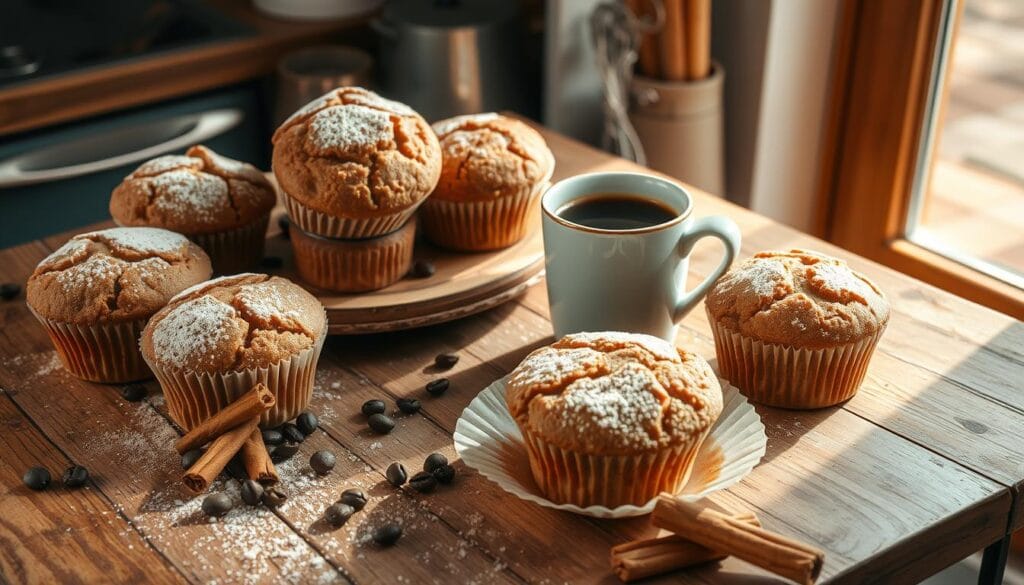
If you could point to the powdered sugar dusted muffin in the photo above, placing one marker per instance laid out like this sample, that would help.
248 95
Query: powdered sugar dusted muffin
215 341
221 204
796 329
612 418
352 164
95 293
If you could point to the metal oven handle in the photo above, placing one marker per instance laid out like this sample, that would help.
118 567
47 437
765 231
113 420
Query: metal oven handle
177 132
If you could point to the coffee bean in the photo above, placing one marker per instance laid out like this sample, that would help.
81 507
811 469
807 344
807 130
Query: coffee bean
433 461
236 469
272 437
284 224
338 514
444 474
217 504
307 422
75 476
396 474
133 392
372 407
252 492
354 497
271 262
422 269
322 462
387 535
408 405
274 497
190 457
438 387
36 478
9 291
284 452
446 361
292 434
423 482
381 423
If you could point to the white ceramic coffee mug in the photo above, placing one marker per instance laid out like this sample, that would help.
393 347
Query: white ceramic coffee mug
626 280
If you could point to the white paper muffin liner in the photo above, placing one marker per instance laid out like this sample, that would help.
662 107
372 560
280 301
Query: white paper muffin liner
323 224
488 440
237 250
473 226
105 353
193 397
790 377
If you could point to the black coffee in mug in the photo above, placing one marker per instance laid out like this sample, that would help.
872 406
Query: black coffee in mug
616 211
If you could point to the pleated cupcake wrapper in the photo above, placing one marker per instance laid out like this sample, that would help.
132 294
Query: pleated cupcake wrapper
335 266
789 377
106 353
237 250
193 397
329 226
480 225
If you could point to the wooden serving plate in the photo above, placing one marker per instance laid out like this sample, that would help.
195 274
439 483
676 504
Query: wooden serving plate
462 285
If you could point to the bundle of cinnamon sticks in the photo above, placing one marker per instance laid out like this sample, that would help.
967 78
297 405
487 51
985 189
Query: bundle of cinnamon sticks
681 49
234 430
702 534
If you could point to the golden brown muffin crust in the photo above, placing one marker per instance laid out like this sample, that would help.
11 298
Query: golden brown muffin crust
199 193
115 275
485 156
234 323
353 154
798 299
614 393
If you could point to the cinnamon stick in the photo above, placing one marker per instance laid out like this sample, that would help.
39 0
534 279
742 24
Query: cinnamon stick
256 459
698 39
644 558
673 43
718 531
217 456
253 403
647 58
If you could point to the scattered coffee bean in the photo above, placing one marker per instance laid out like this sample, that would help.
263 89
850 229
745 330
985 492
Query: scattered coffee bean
190 457
75 476
423 482
381 423
396 474
446 361
272 437
252 492
307 422
354 497
387 535
322 462
408 405
438 387
236 469
292 434
274 497
284 452
338 514
444 474
271 262
372 407
9 291
36 478
133 392
282 222
217 504
433 461
422 269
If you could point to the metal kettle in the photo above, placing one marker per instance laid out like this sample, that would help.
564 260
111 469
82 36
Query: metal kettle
450 57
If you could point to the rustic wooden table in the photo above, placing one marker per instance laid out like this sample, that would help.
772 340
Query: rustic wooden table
922 468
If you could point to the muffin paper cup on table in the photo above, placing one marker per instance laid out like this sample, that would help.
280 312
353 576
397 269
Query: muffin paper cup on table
789 377
322 224
488 440
479 225
105 353
193 397
354 265
236 250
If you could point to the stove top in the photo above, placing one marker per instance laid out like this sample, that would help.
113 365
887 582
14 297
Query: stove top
42 38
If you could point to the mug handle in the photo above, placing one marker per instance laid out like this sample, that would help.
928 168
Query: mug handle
722 228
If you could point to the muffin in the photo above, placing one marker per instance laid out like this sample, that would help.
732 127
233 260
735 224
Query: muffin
354 265
219 203
354 165
795 329
96 292
215 341
612 418
493 171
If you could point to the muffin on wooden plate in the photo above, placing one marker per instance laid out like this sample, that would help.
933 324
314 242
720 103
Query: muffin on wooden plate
219 203
216 340
493 172
96 292
612 418
354 165
796 329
